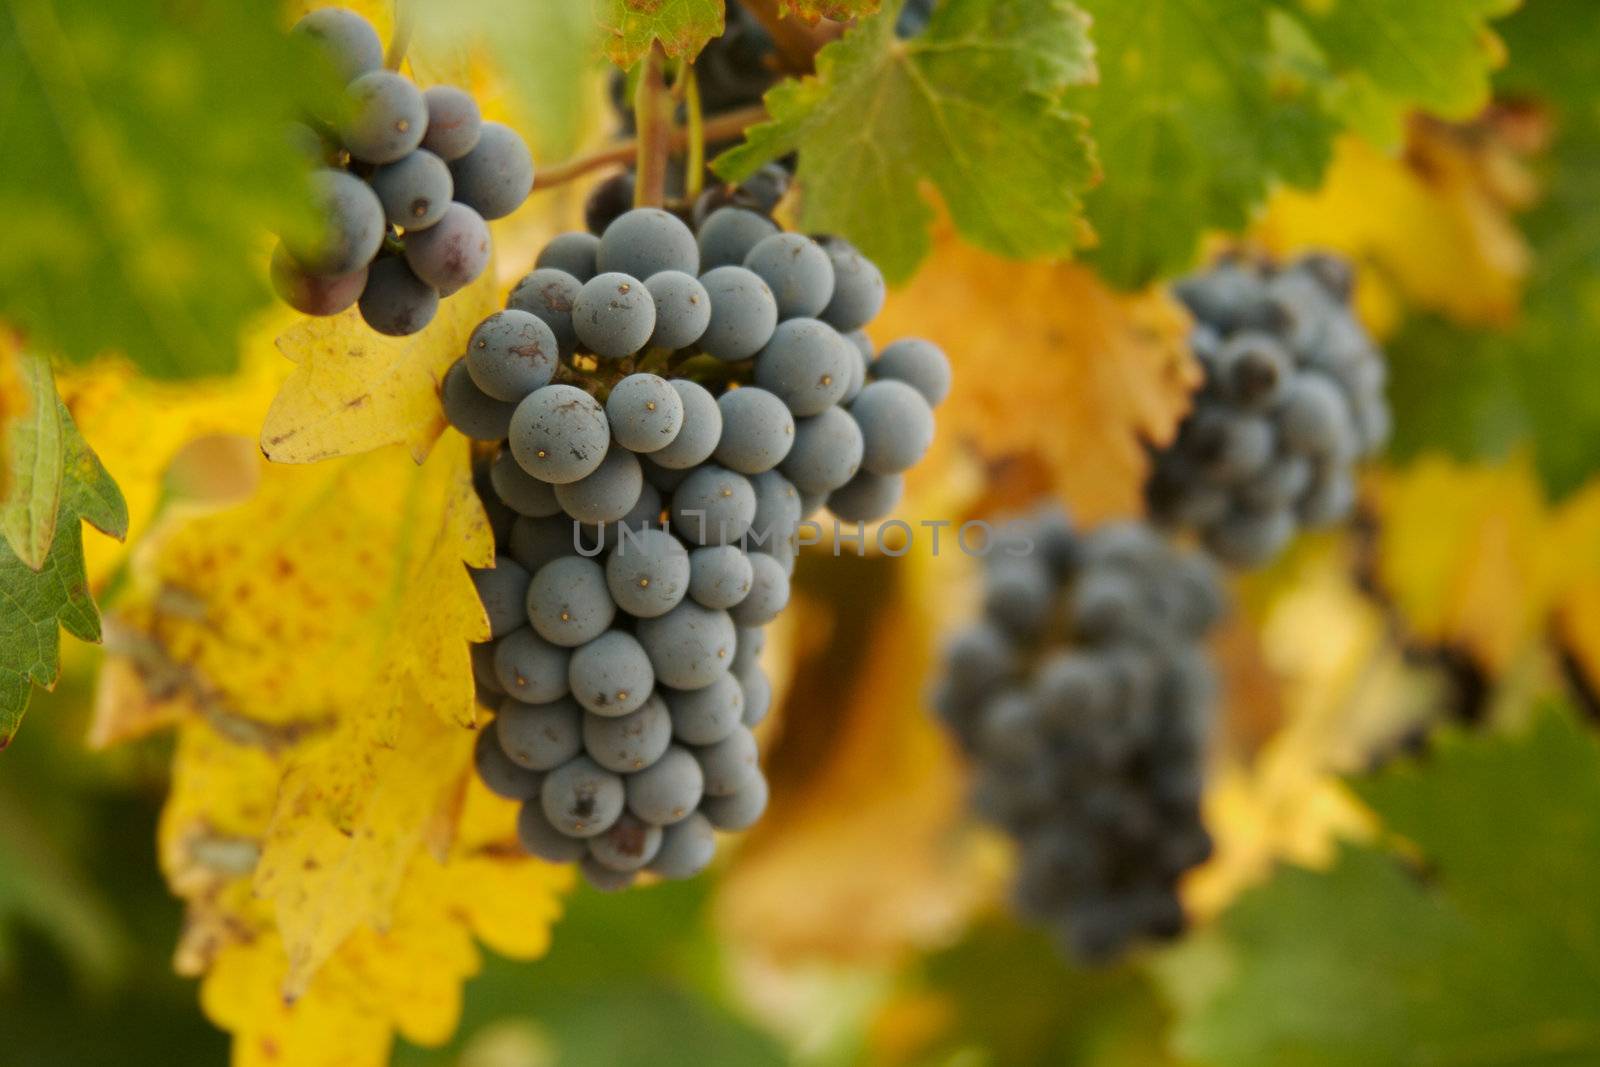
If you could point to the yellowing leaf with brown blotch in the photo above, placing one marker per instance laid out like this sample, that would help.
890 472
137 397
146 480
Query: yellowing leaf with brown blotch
1464 552
1050 365
1432 226
1577 600
353 389
867 809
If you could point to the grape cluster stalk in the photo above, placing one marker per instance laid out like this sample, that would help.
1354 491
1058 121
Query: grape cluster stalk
1292 400
1083 699
403 185
668 403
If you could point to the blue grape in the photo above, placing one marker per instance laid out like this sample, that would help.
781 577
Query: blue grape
777 517
414 190
496 176
613 315
827 452
502 588
740 809
706 716
757 430
384 117
757 695
572 252
451 253
607 202
540 737
743 313
611 675
668 790
454 122
1314 418
689 646
867 496
896 426
489 689
730 764
350 230
646 241
647 575
581 798
395 302
862 345
702 429
683 309
568 603
496 770
536 541
559 434
603 879
521 491
314 294
540 837
606 493
665 479
806 364
920 364
530 668
645 413
550 294
469 409
728 235
510 354
713 506
797 270
627 846
687 847
630 742
858 289
719 576
747 652
769 592
346 41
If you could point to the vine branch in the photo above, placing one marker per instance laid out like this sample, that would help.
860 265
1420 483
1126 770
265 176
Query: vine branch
797 43
720 128
652 113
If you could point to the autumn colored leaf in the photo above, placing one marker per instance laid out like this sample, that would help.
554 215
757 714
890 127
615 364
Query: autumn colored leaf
681 27
1463 551
838 10
857 762
971 106
1432 227
1576 618
354 390
1080 377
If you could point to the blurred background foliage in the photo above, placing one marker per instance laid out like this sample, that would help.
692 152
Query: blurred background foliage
1405 785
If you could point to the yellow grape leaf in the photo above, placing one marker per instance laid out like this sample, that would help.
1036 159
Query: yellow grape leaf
1577 608
1432 227
1463 550
138 425
1051 364
353 390
868 800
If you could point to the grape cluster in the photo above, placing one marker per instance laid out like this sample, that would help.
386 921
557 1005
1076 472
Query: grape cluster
405 180
1293 397
1083 699
647 519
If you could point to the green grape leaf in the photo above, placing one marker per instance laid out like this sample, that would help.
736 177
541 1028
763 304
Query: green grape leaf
1492 956
1193 119
631 27
155 157
35 603
1202 107
32 455
971 106
1477 393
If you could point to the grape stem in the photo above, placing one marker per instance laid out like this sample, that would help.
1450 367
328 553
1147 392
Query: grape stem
695 163
652 113
797 43
722 127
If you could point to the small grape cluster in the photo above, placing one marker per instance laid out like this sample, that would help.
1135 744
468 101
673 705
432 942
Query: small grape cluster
1293 397
405 180
648 519
1083 699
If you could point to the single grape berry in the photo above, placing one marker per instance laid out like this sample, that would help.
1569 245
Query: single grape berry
559 434
568 603
702 429
858 289
540 737
743 313
608 201
920 364
706 716
346 41
454 122
827 452
581 798
866 497
896 426
713 506
646 241
572 252
607 493
471 410
496 176
648 573
613 315
689 646
729 234
314 294
719 576
683 309
630 741
414 191
806 364
530 668
757 430
550 293
611 675
503 589
451 253
668 790
384 117
349 226
510 354
798 271
645 413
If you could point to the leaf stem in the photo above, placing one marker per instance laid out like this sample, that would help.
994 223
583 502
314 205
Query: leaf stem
405 20
797 43
695 164
652 113
718 128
